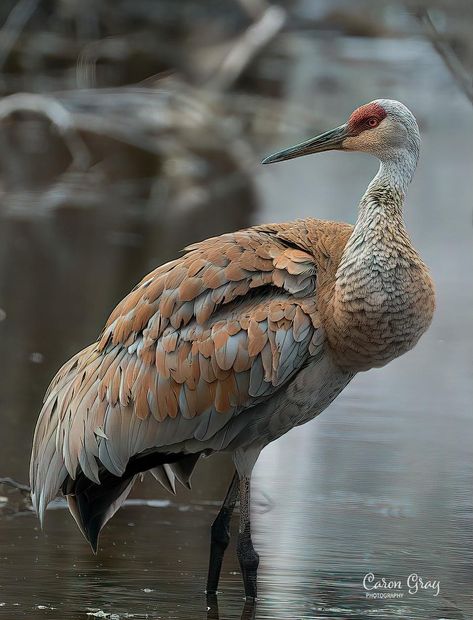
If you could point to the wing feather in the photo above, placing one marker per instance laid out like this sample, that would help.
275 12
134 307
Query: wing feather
196 342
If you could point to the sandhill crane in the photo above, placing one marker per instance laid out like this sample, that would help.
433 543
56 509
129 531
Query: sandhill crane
242 338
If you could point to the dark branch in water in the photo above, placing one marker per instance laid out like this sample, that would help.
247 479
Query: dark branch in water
24 488
266 25
13 26
448 55
59 116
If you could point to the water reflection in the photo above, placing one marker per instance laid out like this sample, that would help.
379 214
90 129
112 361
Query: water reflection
213 613
381 482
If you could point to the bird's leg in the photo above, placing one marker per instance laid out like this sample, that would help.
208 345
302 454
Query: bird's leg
220 536
212 607
247 555
249 610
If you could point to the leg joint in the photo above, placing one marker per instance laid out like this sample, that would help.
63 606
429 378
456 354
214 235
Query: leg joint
247 556
220 534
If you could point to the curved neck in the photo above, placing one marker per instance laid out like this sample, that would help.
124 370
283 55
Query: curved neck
379 231
383 298
388 188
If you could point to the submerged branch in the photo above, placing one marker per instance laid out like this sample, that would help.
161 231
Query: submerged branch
448 55
13 26
24 488
248 45
59 116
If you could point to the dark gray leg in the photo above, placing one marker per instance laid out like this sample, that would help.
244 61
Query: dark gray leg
249 610
212 607
247 555
220 536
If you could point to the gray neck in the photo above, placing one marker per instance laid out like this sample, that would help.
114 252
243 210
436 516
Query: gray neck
379 228
383 200
391 181
383 297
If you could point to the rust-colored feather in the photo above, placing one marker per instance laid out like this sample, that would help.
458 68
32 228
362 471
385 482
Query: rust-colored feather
213 277
257 338
234 272
211 333
190 288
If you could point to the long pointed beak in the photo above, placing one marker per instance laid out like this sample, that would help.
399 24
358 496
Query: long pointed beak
328 141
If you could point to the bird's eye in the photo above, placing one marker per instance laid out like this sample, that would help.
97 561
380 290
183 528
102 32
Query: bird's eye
372 122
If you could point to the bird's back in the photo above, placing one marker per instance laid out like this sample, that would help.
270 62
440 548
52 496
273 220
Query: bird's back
197 342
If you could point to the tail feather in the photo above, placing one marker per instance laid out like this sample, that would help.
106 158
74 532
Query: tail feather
165 476
93 450
92 505
181 470
184 467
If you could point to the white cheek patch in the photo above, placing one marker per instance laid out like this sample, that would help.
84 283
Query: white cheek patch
365 141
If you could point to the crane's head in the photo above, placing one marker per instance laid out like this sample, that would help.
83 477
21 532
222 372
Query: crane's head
384 128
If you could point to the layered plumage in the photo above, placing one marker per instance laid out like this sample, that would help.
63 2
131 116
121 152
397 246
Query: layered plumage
196 342
243 337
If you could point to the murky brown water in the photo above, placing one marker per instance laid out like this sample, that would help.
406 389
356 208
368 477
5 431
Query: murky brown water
381 483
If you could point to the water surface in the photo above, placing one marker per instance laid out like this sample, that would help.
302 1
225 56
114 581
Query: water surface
381 482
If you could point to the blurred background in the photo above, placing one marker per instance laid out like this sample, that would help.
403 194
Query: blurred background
130 128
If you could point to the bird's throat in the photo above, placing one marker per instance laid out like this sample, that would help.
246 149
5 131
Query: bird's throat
381 283
379 243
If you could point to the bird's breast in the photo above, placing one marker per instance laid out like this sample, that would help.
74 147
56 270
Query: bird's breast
377 315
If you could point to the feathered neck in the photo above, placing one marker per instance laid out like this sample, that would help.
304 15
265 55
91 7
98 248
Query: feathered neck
383 296
380 228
